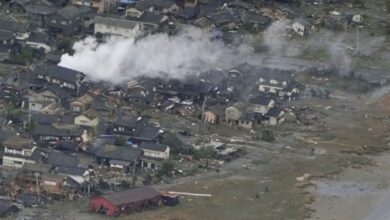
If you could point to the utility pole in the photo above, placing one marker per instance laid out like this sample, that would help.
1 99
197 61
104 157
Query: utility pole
36 174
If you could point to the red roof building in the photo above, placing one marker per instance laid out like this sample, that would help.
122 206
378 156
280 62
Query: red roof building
125 202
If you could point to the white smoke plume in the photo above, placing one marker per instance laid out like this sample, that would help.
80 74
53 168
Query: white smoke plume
158 55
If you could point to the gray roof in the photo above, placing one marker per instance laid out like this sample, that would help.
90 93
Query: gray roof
71 12
153 146
59 72
116 22
38 37
6 35
40 9
261 100
146 133
48 130
115 152
274 112
132 195
13 26
57 158
70 170
157 3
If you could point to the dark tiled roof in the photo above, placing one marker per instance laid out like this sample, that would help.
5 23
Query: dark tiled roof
7 208
39 37
261 100
147 133
59 72
48 130
274 112
58 91
71 12
157 3
6 35
40 9
43 118
57 158
153 146
118 153
13 26
70 170
132 195
116 22
100 142
248 116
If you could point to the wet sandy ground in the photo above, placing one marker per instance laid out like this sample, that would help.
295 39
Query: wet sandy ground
355 194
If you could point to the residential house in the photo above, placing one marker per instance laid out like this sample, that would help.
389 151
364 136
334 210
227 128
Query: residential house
79 174
18 151
55 133
275 116
213 114
97 6
209 117
30 176
90 119
124 125
256 21
68 20
60 76
292 89
273 81
82 103
39 40
160 6
117 27
20 30
234 113
47 100
149 22
301 27
153 154
241 71
204 23
247 120
123 158
53 185
225 18
262 104
38 14
146 134
7 39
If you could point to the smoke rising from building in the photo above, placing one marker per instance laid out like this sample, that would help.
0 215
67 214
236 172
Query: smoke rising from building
159 55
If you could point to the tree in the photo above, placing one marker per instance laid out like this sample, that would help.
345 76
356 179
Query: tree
205 153
166 168
65 45
99 37
267 135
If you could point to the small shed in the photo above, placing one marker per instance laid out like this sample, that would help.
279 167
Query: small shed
127 201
